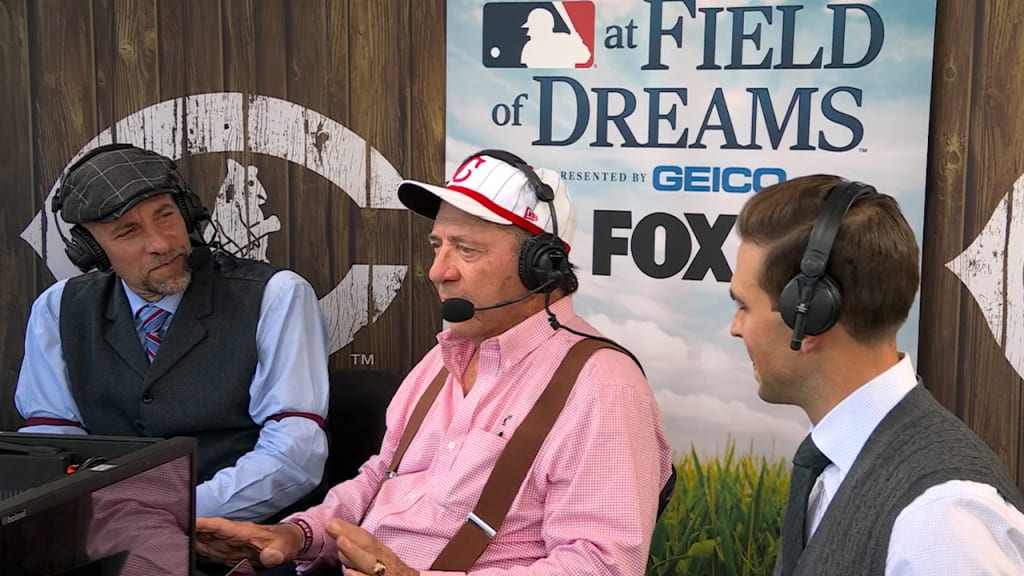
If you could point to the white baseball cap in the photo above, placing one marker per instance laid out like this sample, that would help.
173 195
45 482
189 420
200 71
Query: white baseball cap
496 191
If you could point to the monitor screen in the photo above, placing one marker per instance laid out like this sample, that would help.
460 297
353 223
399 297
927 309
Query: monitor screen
123 506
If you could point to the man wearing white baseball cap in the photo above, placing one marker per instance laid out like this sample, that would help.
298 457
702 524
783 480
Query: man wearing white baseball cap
523 443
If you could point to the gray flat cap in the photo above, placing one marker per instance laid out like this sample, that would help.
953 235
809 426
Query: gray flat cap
112 180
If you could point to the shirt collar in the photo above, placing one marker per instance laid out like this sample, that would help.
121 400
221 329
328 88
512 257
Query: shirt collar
512 345
169 302
842 433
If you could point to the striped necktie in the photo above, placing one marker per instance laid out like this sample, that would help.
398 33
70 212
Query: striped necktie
151 322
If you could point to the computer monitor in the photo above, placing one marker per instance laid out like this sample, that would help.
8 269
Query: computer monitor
123 506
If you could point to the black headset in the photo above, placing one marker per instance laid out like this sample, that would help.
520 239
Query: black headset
543 258
83 250
811 302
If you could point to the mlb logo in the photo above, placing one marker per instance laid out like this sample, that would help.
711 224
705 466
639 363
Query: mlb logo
539 34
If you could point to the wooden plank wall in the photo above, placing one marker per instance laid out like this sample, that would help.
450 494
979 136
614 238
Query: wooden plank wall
975 157
20 279
74 68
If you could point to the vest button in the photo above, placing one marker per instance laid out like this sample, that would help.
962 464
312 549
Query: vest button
148 399
140 426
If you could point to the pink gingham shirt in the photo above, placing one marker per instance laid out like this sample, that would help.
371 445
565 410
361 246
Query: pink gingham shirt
587 506
148 516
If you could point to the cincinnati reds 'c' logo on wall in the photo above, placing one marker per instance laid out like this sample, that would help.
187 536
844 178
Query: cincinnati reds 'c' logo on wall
992 268
274 127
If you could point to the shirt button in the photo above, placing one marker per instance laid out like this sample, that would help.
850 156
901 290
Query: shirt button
451 445
147 399
140 426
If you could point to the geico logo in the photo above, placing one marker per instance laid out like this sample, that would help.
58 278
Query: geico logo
733 179
216 123
678 242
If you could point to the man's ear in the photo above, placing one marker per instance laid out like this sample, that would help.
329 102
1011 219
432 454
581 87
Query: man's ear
813 343
832 337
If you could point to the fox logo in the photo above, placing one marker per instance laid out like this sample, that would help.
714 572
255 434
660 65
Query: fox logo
538 34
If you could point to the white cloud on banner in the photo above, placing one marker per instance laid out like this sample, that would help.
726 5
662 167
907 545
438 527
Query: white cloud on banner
707 423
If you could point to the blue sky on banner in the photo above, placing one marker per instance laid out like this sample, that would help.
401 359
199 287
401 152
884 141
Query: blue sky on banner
679 327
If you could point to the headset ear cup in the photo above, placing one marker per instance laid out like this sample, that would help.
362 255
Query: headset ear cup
192 210
788 300
84 252
825 306
527 272
823 309
543 258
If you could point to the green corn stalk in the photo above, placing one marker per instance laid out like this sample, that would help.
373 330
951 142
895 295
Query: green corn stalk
724 518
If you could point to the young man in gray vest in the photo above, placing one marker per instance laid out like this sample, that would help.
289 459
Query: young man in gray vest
165 339
888 481
584 500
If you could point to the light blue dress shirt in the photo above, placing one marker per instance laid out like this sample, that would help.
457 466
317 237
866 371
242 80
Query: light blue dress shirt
292 344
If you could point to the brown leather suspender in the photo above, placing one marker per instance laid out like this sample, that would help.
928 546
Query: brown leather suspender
416 420
513 464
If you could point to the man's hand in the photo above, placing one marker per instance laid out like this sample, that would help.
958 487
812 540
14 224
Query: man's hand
228 542
364 555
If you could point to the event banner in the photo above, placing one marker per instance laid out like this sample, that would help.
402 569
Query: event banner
664 117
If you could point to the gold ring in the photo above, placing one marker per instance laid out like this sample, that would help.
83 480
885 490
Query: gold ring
379 569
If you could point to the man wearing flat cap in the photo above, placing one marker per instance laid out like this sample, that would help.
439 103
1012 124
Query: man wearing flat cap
160 338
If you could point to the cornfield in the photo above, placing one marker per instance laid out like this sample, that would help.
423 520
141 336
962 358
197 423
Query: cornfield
724 518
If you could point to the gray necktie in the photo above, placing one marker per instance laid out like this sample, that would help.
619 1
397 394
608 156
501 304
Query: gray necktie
807 466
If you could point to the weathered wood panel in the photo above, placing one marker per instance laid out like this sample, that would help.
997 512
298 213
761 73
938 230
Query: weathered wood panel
136 63
270 79
990 387
21 198
309 194
944 208
295 114
105 45
171 42
974 160
202 61
63 96
379 76
426 155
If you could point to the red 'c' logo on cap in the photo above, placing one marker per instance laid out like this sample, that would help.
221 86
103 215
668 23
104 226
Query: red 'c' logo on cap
466 170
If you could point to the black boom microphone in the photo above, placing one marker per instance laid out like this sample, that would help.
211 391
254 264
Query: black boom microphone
460 309
199 256
457 310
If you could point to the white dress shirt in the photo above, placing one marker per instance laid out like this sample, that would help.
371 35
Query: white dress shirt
958 528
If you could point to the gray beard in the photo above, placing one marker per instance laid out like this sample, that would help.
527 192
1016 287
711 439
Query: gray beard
174 286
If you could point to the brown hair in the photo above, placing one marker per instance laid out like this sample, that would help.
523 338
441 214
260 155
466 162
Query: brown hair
874 259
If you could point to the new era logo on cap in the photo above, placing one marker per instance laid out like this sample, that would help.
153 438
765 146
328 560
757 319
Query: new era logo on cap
538 34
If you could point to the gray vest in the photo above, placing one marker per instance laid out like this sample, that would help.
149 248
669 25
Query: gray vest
919 444
198 384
